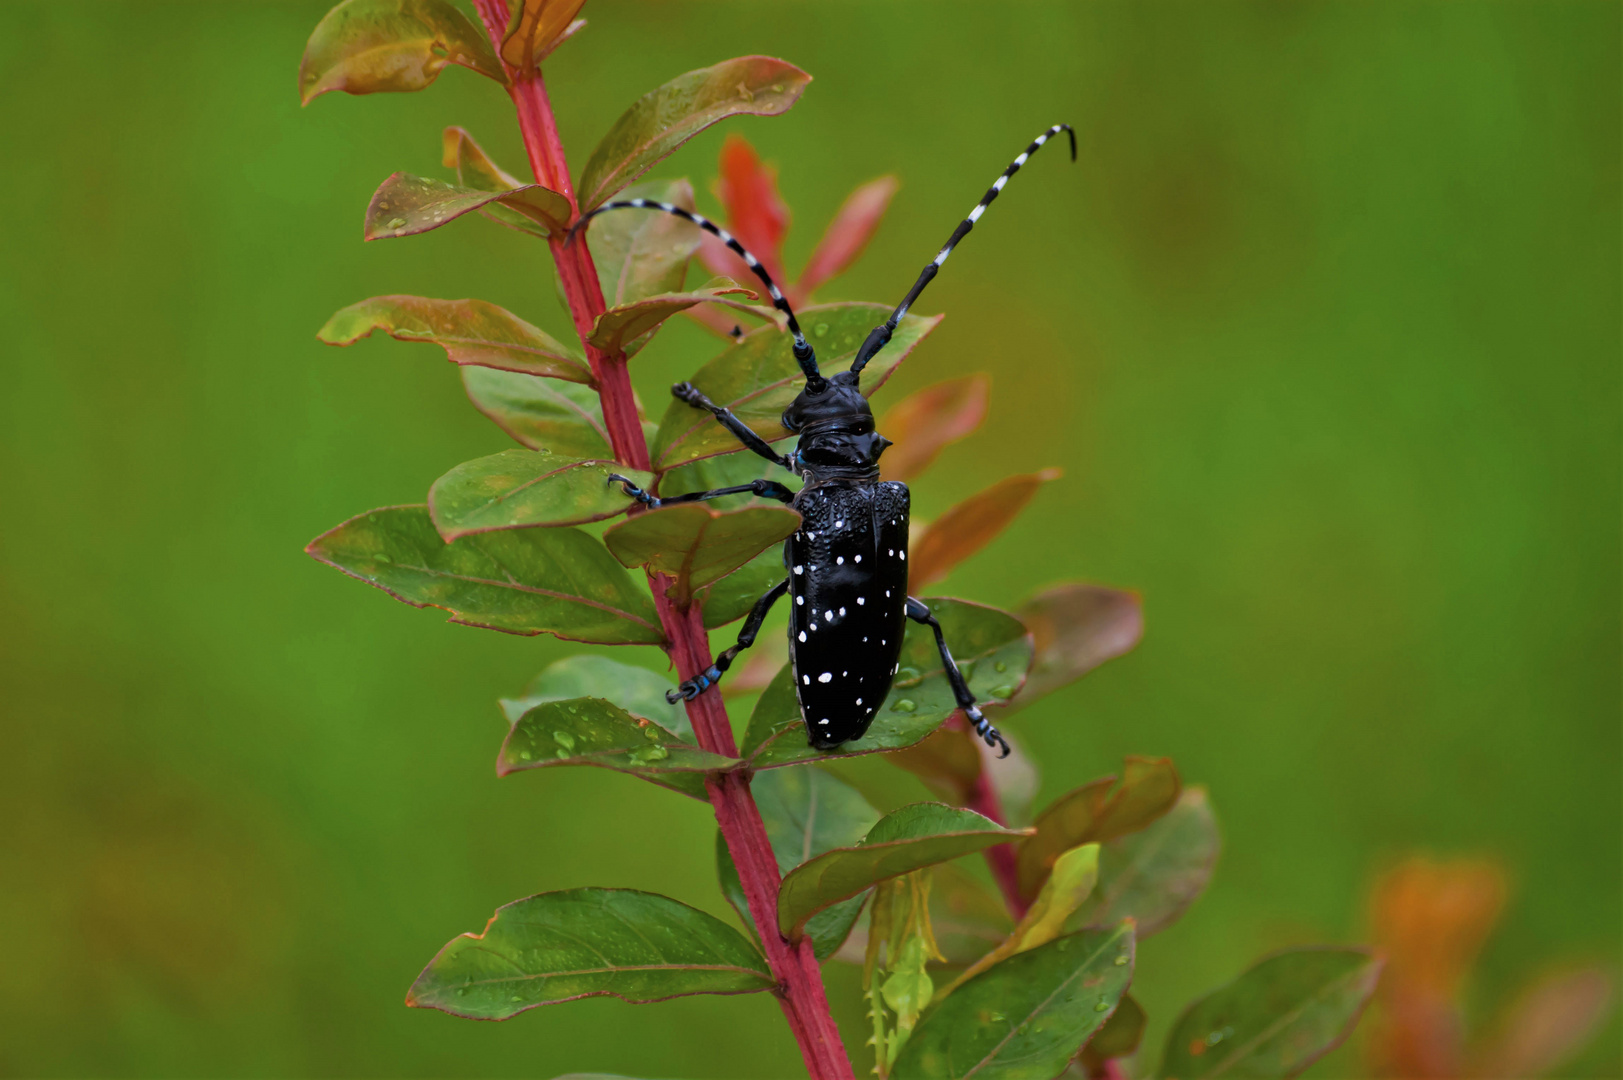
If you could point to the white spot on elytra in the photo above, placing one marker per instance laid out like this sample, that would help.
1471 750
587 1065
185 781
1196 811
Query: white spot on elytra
904 556
803 635
801 600
825 676
892 551
829 615
859 558
839 560
800 569
859 701
840 524
842 612
806 679
861 600
811 536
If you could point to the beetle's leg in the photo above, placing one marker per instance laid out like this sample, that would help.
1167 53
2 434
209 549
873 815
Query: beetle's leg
634 491
920 612
687 392
692 688
769 489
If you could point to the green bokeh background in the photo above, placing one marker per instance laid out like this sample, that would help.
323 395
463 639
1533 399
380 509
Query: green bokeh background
1323 327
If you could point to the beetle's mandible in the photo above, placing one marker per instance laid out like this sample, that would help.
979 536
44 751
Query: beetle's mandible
848 561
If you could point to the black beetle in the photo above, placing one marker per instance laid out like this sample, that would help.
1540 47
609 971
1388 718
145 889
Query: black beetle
848 561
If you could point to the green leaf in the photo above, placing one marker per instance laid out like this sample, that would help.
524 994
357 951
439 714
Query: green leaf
476 171
1076 628
1119 1037
1154 875
642 255
538 27
1276 1019
1071 883
664 119
516 489
697 545
524 581
473 166
617 328
472 332
1025 1018
806 812
757 378
733 596
543 414
562 946
992 651
592 731
1096 812
371 46
967 916
915 836
405 205
637 690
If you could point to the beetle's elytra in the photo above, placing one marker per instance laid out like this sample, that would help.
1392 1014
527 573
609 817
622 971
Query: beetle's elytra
847 564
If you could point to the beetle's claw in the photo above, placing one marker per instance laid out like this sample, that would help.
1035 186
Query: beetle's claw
686 692
983 727
684 391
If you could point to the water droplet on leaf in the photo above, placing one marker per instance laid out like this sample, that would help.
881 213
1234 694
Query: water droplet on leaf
1121 961
1002 691
395 223
904 705
820 330
1000 666
1103 1006
564 739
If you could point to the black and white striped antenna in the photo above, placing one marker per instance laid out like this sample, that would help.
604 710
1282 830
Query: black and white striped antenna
880 335
805 356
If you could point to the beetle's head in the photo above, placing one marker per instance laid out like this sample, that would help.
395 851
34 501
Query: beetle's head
835 425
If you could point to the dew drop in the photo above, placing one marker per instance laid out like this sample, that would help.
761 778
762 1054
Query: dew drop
382 558
1004 692
395 223
1121 961
906 673
1000 666
904 705
524 755
564 739
821 329
1103 1006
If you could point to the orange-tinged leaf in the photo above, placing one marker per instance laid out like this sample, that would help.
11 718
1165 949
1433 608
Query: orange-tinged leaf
1076 627
470 331
947 761
375 46
696 545
473 166
1549 1022
847 234
970 526
922 424
1098 811
405 205
756 213
538 27
619 327
1432 920
665 118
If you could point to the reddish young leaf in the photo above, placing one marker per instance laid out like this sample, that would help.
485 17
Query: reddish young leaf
1077 627
537 28
405 205
853 226
922 424
756 214
619 327
372 46
665 118
1097 812
1548 1023
470 331
970 526
473 166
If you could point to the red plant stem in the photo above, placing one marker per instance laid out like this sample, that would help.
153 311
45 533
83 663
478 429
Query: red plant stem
800 981
984 801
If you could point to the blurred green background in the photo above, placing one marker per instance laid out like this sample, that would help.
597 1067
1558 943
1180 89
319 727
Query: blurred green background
1323 327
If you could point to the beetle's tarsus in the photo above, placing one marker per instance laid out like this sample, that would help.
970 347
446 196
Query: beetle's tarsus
633 490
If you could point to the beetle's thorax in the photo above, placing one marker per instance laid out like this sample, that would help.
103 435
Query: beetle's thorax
836 429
